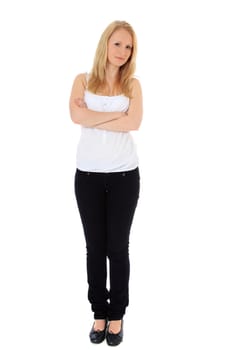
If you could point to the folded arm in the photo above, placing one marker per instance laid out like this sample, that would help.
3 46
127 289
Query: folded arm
85 116
132 118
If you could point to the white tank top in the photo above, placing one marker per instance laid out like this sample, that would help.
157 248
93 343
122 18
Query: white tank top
102 150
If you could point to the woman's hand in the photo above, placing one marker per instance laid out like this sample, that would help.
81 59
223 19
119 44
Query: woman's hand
80 102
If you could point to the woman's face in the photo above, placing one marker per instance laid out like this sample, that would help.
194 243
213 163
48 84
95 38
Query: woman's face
119 47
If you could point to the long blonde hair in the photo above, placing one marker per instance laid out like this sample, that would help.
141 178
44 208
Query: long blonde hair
97 75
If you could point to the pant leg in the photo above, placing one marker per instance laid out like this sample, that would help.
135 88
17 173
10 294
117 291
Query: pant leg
91 200
122 198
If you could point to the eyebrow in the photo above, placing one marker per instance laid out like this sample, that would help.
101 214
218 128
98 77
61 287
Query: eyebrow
119 41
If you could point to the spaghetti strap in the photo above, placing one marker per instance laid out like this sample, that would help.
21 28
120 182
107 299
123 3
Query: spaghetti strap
87 79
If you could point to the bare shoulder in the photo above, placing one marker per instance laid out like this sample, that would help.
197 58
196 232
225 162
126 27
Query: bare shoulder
79 86
135 80
80 79
135 85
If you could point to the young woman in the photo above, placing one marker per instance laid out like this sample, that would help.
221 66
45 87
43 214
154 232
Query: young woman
107 103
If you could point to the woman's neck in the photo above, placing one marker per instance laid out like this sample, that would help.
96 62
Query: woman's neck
111 86
112 74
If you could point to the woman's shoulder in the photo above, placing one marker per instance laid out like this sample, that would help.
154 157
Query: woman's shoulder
81 78
135 83
135 80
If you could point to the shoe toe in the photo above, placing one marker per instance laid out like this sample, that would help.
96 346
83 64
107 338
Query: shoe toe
97 337
114 339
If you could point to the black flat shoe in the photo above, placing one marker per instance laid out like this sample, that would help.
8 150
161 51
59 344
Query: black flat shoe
97 337
115 339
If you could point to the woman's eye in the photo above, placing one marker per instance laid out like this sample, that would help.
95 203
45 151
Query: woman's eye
116 44
128 47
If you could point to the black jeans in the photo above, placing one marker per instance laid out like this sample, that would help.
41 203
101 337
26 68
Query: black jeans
107 203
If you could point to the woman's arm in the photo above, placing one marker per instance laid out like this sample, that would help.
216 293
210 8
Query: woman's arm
132 119
85 116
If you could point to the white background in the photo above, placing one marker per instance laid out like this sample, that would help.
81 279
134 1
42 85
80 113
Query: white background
181 289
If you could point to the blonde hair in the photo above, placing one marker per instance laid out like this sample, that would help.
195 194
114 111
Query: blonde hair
97 75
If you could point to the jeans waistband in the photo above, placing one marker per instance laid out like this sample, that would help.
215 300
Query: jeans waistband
115 173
